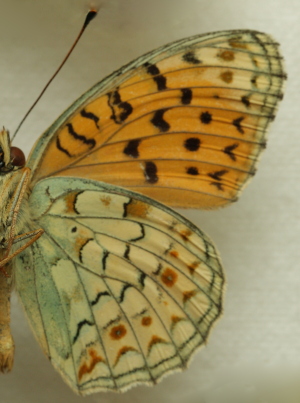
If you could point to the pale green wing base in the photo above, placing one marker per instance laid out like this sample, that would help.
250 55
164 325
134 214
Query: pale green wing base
120 289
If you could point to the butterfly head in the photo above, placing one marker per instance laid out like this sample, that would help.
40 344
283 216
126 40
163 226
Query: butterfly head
11 158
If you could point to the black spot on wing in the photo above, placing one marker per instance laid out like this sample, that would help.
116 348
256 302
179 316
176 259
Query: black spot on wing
150 172
190 57
206 117
187 96
192 171
192 144
159 122
132 149
160 80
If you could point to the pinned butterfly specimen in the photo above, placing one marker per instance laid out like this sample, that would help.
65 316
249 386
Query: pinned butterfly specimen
120 289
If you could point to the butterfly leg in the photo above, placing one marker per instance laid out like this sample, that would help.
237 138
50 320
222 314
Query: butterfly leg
11 221
7 346
32 235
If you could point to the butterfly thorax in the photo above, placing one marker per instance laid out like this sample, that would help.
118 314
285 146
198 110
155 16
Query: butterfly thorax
13 202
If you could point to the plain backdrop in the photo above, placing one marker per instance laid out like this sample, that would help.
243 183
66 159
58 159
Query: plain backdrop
254 350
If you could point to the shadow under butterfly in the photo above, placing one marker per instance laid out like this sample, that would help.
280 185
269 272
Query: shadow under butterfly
120 289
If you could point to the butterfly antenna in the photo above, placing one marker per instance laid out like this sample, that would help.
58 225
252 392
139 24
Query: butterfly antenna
90 15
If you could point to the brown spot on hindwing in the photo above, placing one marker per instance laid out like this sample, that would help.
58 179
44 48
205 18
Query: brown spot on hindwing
146 321
227 76
169 277
118 332
87 368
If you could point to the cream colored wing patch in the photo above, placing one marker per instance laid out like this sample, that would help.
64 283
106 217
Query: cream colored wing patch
120 289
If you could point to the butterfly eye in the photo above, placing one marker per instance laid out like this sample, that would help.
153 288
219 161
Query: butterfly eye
17 157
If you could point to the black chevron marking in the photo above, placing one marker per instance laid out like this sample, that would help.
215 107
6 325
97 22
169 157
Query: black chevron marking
80 326
218 185
229 151
126 253
125 205
91 116
142 279
105 256
122 295
237 123
142 234
90 142
98 296
218 174
158 270
83 246
61 148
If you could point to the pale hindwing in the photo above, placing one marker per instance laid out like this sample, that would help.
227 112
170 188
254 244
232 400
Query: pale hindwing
120 289
184 124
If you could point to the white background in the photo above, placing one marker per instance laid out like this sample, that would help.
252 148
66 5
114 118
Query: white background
256 345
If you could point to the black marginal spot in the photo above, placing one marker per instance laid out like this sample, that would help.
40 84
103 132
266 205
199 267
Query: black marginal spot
120 110
98 296
90 142
187 96
191 58
131 148
237 124
192 171
217 175
159 122
218 185
60 148
159 79
125 205
150 172
91 116
142 279
229 151
83 246
245 101
122 295
126 253
206 118
192 144
141 236
74 229
105 256
80 326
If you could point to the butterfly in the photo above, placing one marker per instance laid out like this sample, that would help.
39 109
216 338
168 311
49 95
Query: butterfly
120 289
